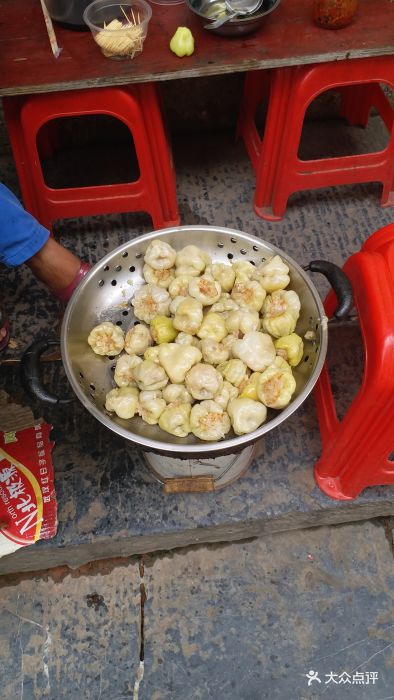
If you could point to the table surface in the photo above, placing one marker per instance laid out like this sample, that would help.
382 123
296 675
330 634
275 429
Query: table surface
288 37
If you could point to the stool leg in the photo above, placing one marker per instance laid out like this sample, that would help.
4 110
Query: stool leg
12 109
325 407
356 450
369 96
387 199
161 153
47 139
359 449
266 203
256 88
356 103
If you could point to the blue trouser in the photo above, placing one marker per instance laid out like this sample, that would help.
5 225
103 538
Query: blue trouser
21 236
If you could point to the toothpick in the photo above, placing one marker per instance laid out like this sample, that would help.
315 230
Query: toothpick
50 30
133 15
127 18
138 17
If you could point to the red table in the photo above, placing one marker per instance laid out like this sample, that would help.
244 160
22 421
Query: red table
289 37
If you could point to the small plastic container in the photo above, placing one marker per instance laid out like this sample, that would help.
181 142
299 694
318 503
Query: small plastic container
119 28
166 3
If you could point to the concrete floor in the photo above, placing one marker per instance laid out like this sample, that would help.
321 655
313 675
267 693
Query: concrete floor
243 621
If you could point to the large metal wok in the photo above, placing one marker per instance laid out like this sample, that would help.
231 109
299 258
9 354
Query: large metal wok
105 294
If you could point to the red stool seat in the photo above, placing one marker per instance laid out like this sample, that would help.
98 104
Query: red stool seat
279 170
358 450
138 108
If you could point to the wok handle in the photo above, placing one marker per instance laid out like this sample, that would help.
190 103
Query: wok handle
31 375
339 282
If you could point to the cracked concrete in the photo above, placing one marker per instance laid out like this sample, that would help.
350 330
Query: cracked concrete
249 621
244 621
70 636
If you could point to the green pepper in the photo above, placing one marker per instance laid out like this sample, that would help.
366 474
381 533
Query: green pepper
182 43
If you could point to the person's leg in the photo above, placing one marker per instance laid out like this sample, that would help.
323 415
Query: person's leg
24 240
58 268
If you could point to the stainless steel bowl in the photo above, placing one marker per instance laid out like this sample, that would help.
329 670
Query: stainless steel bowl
104 295
68 12
208 10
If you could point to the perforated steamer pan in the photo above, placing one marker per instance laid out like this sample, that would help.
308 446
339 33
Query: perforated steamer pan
105 294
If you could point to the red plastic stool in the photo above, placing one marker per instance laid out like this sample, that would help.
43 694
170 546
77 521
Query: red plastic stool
139 109
279 170
356 450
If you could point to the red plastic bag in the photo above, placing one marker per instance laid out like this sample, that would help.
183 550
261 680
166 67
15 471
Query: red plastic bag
28 507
